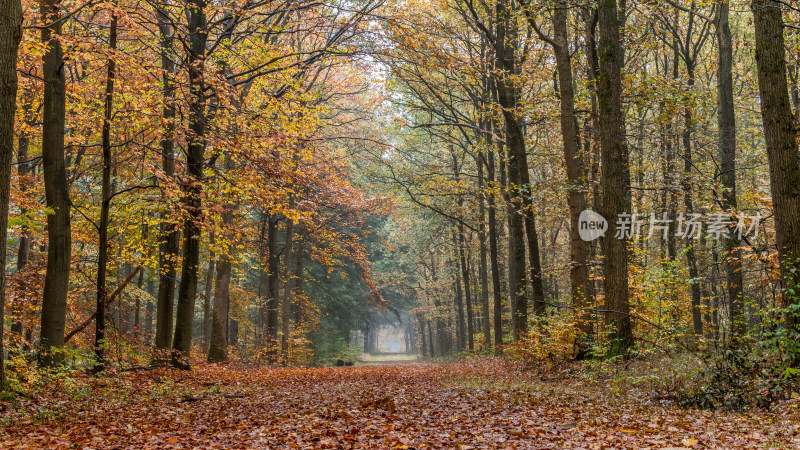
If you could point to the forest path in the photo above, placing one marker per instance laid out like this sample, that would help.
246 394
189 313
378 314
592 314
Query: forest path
378 359
481 404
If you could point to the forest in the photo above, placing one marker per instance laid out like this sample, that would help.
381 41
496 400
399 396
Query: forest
524 224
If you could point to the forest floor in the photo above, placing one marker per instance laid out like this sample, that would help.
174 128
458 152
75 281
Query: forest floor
477 404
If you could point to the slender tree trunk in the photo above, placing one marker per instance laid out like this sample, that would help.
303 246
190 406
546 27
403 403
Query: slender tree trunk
273 288
507 96
286 306
105 206
483 272
209 291
467 294
218 339
691 252
10 37
169 238
23 252
726 118
576 184
615 179
461 332
782 152
56 187
298 284
192 187
494 257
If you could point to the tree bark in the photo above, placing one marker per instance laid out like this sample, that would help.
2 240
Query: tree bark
207 294
105 206
615 178
483 272
59 247
10 37
506 95
218 339
494 257
169 238
467 291
726 118
192 187
286 306
576 184
273 288
782 152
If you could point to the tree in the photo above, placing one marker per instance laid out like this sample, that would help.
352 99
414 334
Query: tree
105 198
615 182
10 37
169 238
782 152
59 246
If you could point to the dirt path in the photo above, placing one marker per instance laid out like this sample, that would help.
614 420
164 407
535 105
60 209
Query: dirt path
377 359
403 406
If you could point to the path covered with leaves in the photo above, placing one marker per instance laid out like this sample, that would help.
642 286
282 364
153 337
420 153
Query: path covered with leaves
465 405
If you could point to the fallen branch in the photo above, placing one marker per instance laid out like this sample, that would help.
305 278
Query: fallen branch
111 298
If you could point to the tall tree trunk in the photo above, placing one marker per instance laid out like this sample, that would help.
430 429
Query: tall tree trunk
273 289
192 187
467 294
169 237
105 205
494 256
615 178
10 37
691 252
24 167
483 270
218 339
782 152
727 155
286 306
56 187
208 292
461 333
298 284
504 54
576 184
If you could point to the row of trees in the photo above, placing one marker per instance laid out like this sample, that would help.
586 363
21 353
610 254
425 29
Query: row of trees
168 152
516 116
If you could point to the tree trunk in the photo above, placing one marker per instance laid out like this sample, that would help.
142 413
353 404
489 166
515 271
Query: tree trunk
272 290
10 37
782 152
576 185
218 339
727 155
494 257
56 187
286 306
208 292
483 269
506 95
691 252
615 178
192 187
105 206
467 294
169 238
461 331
